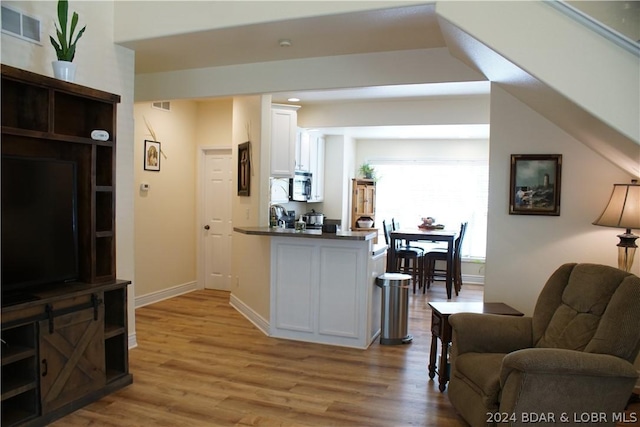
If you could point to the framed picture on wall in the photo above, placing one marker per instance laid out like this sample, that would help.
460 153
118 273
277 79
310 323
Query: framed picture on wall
535 184
244 169
151 156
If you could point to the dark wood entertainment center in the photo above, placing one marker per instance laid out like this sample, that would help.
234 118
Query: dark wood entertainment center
67 345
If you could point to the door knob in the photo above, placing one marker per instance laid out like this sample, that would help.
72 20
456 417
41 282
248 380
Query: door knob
206 227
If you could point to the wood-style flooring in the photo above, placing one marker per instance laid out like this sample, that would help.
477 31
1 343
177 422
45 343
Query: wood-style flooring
200 363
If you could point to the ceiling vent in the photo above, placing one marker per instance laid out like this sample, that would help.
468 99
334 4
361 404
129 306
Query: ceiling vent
162 105
20 25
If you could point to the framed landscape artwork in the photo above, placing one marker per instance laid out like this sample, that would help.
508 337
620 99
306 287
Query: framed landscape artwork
535 184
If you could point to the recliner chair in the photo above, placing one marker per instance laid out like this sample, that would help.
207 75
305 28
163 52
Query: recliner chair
572 358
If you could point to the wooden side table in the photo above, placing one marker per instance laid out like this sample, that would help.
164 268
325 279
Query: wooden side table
441 329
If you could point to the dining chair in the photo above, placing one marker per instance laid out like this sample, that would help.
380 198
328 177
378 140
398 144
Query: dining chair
409 260
440 254
395 225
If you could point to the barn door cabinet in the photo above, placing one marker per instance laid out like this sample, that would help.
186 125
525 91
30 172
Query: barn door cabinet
67 348
67 344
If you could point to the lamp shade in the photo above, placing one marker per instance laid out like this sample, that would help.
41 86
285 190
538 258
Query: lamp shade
623 209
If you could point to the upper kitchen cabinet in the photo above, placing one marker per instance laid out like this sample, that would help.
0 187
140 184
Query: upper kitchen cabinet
316 167
303 153
284 124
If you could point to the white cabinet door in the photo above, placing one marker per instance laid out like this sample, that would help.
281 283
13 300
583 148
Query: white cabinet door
339 303
303 153
284 123
294 288
316 161
320 291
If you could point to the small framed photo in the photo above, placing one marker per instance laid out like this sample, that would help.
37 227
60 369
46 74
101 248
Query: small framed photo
535 184
151 156
244 169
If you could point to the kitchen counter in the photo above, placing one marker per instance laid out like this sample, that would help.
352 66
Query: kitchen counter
311 234
322 285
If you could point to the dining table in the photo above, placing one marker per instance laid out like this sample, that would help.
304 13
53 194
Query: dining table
425 235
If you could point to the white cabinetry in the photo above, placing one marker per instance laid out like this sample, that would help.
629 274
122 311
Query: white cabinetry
310 158
316 167
303 153
323 290
284 121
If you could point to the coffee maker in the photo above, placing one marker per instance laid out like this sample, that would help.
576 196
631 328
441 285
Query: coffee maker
280 217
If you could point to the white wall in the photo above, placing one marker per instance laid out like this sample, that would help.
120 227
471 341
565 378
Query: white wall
418 66
610 89
402 149
101 65
339 165
523 251
468 110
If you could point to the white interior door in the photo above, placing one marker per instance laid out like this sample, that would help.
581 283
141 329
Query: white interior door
217 219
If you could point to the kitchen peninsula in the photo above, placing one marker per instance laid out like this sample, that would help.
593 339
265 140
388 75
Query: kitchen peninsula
322 285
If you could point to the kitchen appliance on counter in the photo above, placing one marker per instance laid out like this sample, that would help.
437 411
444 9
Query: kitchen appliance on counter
280 217
313 219
300 186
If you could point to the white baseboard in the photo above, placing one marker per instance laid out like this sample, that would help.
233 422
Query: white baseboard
133 342
260 322
153 297
473 279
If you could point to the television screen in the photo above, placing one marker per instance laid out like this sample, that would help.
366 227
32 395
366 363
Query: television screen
39 222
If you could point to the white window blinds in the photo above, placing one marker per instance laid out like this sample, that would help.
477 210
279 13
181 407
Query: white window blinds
451 191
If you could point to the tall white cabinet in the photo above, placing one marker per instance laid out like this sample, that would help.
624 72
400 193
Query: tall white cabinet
284 124
316 167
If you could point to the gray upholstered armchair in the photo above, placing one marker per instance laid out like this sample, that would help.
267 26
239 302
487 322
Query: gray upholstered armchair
572 358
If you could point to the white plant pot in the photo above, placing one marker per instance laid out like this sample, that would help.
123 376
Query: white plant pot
64 70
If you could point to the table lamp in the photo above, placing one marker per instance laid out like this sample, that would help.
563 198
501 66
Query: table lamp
623 211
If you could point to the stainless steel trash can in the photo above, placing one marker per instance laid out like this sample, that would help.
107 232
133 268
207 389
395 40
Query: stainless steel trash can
395 308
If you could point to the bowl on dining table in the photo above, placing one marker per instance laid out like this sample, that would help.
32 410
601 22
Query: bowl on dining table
428 220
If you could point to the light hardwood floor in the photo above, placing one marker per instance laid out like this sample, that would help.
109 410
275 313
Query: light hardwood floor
200 363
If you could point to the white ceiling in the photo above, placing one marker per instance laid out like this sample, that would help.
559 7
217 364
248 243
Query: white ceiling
382 30
386 92
402 28
458 131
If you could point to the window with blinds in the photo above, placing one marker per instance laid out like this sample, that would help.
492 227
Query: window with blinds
451 191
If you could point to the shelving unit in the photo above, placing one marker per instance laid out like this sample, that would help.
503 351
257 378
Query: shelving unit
363 203
43 379
45 117
19 374
115 334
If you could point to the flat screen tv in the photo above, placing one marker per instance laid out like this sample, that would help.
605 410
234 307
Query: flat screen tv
39 223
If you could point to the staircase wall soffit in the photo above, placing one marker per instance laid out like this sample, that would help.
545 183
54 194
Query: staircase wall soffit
622 151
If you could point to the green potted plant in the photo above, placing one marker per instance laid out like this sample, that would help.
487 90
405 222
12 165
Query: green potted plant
65 43
367 171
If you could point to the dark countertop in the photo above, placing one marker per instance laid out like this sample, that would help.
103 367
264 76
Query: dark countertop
309 234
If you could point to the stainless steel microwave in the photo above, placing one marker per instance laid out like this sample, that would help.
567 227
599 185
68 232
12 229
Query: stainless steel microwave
300 186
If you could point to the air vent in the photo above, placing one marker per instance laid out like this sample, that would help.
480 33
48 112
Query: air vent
20 25
162 105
